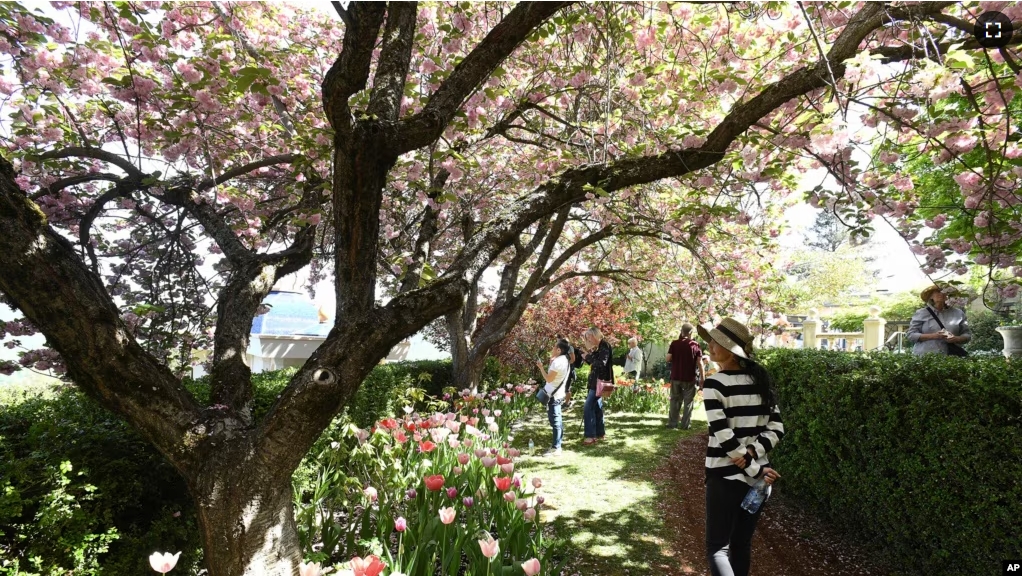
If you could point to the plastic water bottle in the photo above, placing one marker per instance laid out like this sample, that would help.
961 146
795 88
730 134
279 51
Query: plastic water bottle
532 446
754 499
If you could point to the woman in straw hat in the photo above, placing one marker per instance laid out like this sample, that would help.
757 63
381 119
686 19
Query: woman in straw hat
938 328
745 424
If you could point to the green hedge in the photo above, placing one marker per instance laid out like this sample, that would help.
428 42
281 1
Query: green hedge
920 456
80 489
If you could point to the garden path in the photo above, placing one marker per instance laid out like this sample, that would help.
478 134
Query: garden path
787 542
633 505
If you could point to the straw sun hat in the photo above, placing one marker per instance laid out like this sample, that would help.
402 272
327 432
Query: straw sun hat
947 290
731 334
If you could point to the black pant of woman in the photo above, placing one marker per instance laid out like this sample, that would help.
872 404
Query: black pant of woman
728 528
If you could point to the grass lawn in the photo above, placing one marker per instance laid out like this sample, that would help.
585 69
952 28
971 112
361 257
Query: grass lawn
602 499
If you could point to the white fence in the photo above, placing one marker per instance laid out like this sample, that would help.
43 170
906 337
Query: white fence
871 337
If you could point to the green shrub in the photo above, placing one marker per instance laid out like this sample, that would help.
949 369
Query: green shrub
918 455
79 483
80 489
985 337
848 321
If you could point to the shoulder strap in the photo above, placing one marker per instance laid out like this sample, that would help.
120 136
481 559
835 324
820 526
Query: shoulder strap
563 380
934 314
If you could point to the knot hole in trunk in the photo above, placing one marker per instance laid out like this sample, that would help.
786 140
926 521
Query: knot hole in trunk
323 376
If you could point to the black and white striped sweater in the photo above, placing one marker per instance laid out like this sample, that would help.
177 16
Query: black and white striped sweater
738 419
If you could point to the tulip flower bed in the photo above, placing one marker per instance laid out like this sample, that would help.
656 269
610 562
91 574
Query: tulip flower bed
428 494
644 397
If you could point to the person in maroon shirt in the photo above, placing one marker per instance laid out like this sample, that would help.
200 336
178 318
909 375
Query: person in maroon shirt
685 357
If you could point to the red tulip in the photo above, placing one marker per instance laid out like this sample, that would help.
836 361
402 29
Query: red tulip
426 446
435 482
503 483
502 460
389 423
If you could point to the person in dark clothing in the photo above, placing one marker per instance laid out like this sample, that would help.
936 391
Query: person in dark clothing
685 358
600 369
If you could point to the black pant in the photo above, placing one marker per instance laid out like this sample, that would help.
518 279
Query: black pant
728 528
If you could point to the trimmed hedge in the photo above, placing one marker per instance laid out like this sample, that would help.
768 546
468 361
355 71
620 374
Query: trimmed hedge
920 456
63 513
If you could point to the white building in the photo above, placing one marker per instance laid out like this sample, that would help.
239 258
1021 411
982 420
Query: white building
295 326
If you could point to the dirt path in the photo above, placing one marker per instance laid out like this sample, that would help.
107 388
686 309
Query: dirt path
787 542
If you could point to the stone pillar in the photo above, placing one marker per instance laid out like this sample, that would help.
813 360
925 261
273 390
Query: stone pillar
810 326
873 330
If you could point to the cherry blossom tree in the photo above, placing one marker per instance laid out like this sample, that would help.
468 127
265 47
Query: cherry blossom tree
396 146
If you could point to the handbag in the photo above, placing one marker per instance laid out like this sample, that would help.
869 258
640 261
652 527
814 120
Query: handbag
604 388
952 349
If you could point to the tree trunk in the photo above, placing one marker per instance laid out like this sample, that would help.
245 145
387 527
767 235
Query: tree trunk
467 361
246 517
468 370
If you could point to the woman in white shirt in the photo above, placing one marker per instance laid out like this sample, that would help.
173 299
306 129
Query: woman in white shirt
633 361
556 376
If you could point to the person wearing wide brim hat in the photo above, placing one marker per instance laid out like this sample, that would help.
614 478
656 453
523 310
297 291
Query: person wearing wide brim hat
736 452
945 289
731 334
937 328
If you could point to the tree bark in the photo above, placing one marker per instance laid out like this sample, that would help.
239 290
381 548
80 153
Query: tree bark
246 514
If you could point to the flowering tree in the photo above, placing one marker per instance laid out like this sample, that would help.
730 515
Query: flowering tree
407 147
942 149
567 310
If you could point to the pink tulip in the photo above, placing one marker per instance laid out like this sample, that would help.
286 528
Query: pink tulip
457 470
463 458
489 462
537 483
447 515
468 501
531 567
540 500
509 496
513 453
310 569
163 562
498 413
529 514
489 547
480 452
371 493
521 504
464 419
467 442
400 525
452 492
507 468
369 566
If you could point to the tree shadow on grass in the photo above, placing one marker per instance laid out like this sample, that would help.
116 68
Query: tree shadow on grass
604 501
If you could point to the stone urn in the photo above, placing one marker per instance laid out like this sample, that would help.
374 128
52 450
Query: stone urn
1012 336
